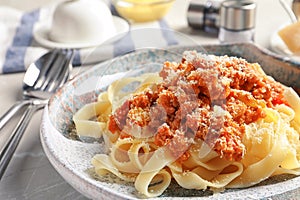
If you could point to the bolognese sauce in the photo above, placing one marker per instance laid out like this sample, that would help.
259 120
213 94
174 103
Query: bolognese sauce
203 97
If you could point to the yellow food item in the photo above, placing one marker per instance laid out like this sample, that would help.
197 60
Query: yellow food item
291 37
143 10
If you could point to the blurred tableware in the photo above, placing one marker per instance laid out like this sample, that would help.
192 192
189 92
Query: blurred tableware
41 80
204 15
80 24
285 40
289 10
237 21
290 33
278 45
143 10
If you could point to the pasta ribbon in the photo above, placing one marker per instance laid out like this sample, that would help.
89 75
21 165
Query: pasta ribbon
201 178
259 171
153 183
104 165
85 126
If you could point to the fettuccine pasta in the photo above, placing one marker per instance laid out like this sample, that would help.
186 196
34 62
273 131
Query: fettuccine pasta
206 122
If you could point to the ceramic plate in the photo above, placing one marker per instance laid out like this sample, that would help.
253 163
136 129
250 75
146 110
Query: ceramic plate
71 157
41 35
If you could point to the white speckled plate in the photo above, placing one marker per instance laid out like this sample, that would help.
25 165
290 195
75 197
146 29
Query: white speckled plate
71 158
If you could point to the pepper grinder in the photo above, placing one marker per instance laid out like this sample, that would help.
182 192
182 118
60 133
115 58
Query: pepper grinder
204 15
237 21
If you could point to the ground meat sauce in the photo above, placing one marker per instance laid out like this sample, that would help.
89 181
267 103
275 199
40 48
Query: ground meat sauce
204 97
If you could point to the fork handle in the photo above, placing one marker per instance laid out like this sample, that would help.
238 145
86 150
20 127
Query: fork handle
12 111
11 145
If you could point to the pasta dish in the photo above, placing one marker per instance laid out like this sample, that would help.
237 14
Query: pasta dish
207 122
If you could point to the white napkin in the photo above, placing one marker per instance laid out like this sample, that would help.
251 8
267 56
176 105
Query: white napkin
18 47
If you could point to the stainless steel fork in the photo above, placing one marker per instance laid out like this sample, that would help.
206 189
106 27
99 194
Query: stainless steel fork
55 76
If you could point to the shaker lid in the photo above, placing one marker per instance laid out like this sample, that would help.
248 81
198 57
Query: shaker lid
237 14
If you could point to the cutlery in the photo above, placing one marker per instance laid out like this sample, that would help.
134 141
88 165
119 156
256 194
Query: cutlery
51 72
33 78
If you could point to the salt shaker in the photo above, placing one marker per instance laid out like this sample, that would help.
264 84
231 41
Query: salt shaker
237 21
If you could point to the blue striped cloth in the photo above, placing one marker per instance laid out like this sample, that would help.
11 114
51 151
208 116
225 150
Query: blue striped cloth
19 49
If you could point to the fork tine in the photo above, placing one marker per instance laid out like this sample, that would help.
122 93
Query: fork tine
62 75
54 71
45 68
69 67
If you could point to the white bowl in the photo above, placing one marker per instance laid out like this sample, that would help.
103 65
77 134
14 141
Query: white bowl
81 21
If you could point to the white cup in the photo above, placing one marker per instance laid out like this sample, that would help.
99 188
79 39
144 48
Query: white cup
82 21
